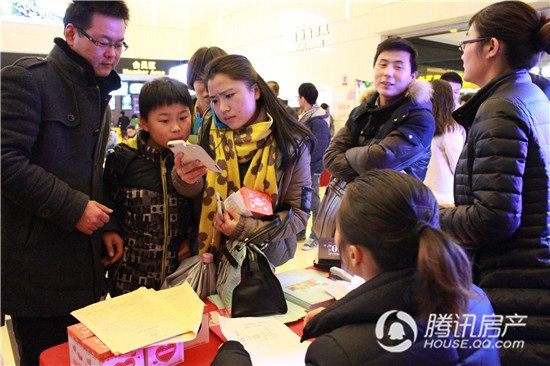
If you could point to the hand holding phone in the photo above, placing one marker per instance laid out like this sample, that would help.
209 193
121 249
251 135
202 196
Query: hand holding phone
193 152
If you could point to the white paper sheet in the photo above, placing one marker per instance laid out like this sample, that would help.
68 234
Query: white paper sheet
339 288
268 340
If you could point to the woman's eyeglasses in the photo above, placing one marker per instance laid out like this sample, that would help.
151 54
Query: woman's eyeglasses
462 45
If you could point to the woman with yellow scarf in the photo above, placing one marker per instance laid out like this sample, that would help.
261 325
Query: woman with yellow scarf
258 145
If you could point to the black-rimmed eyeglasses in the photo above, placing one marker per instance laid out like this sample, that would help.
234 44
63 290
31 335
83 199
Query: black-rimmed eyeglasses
119 47
462 45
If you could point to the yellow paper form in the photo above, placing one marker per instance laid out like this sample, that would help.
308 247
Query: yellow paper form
186 301
143 317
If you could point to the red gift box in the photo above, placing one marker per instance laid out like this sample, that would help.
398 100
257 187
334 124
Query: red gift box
248 202
85 349
258 203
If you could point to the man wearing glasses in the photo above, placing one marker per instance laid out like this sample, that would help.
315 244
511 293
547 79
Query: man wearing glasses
55 125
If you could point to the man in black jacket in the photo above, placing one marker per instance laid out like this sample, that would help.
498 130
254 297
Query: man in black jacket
123 122
55 125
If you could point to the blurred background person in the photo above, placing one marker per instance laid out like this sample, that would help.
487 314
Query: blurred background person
316 119
326 107
447 144
274 86
123 122
195 75
456 82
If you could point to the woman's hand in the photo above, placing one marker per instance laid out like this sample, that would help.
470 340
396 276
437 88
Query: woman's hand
228 223
191 172
311 314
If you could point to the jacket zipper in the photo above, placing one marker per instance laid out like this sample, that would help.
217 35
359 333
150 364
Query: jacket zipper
166 216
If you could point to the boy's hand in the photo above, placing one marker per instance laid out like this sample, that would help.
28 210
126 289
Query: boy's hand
184 250
115 247
191 172
228 223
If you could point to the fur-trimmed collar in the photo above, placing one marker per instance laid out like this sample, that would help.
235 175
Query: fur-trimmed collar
419 91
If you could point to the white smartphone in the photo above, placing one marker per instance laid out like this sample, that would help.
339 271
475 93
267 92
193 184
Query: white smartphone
219 202
193 152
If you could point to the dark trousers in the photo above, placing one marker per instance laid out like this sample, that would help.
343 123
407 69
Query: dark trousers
34 335
315 199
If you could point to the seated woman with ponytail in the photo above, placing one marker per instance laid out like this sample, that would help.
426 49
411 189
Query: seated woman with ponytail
387 233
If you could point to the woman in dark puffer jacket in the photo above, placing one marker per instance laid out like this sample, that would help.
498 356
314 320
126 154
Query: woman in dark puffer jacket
502 197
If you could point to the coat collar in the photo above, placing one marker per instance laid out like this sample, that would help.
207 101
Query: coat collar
145 151
75 67
418 93
465 115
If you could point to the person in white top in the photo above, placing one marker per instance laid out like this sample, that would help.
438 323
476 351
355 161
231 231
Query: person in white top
447 144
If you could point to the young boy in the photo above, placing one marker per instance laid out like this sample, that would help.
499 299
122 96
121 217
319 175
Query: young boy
153 221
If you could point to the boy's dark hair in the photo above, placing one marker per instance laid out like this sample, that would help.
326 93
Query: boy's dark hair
80 13
160 92
395 43
452 77
309 92
197 62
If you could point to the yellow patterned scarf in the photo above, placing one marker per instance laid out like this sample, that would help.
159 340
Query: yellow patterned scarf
254 144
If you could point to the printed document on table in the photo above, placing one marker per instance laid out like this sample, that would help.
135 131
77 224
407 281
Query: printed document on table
142 317
268 340
186 301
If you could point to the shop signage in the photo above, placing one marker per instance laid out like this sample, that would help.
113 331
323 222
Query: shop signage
146 67
312 37
143 67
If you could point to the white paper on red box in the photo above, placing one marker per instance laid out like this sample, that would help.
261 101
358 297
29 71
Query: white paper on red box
144 317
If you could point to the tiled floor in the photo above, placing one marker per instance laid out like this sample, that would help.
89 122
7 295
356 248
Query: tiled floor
302 259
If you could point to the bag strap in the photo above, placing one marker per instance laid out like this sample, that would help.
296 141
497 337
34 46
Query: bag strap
275 226
229 257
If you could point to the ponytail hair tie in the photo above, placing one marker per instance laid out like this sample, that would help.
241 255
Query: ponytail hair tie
419 227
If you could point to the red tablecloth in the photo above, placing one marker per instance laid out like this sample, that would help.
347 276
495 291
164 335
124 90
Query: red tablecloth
200 355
